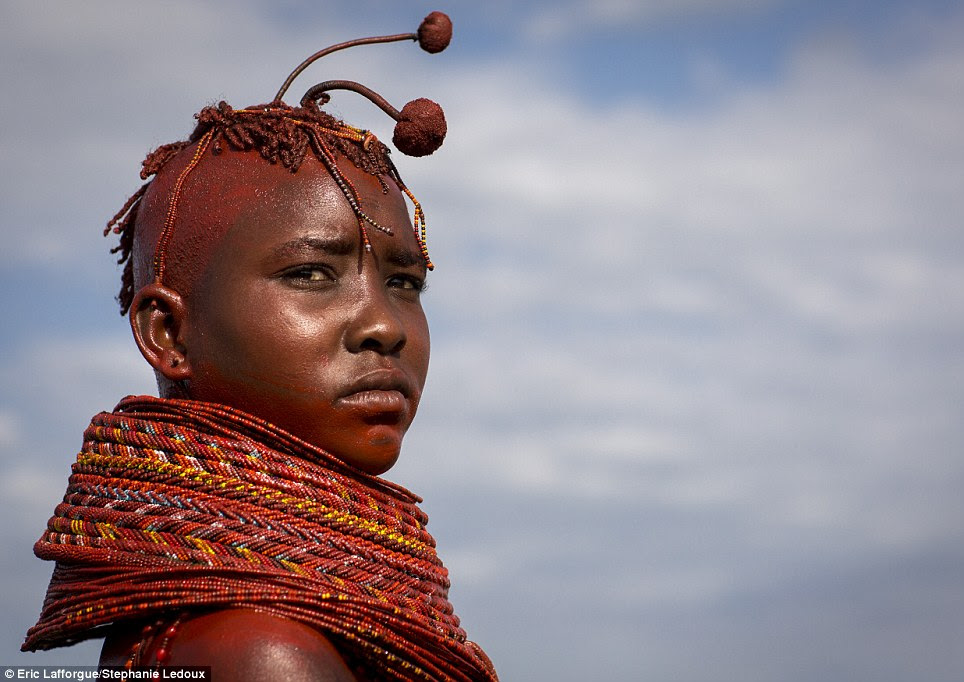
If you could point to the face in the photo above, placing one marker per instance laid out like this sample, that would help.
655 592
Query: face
294 321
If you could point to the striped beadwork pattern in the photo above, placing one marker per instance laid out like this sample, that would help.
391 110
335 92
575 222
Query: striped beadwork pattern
179 505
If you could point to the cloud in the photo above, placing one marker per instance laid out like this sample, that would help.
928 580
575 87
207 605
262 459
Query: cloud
10 430
563 19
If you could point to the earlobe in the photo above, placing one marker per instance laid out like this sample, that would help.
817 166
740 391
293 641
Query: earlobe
158 317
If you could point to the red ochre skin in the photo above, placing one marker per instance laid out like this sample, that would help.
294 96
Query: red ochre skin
240 646
284 314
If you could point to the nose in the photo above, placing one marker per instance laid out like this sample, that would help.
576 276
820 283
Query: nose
376 324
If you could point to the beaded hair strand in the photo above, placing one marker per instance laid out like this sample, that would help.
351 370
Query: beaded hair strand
286 135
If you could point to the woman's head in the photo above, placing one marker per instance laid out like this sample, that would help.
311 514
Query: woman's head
271 265
289 317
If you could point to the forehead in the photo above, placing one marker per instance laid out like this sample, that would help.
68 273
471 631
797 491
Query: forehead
246 206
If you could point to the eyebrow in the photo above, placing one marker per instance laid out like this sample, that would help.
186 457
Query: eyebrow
336 246
344 246
404 258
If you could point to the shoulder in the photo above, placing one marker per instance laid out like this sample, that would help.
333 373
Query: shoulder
246 646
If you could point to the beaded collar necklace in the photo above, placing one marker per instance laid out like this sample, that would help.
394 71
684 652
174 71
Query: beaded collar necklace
177 506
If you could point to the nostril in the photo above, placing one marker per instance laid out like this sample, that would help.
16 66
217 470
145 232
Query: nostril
379 345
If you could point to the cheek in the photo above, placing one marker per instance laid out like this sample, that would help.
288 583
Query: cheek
420 349
250 338
266 371
425 355
423 335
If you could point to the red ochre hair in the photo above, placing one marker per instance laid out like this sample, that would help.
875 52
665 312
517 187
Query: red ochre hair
284 134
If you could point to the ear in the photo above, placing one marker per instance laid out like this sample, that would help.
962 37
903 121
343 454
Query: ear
158 318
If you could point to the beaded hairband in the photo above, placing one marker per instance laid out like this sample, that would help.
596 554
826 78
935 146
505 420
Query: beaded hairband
420 129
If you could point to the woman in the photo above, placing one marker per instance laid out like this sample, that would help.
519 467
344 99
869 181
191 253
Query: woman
273 282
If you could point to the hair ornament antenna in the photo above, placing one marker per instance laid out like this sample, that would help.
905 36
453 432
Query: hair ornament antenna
420 126
433 35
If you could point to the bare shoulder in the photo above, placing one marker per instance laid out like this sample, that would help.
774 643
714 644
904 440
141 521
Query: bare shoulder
246 646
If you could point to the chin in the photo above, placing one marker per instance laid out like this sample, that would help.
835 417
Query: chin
376 461
376 453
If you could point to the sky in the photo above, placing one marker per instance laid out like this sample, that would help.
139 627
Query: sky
694 409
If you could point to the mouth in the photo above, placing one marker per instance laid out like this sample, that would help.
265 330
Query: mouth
379 392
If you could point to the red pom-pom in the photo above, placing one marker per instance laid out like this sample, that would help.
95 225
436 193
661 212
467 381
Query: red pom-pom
421 128
435 32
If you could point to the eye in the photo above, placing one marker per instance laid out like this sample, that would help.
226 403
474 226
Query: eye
408 283
309 274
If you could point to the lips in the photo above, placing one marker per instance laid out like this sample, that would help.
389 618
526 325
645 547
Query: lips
380 391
